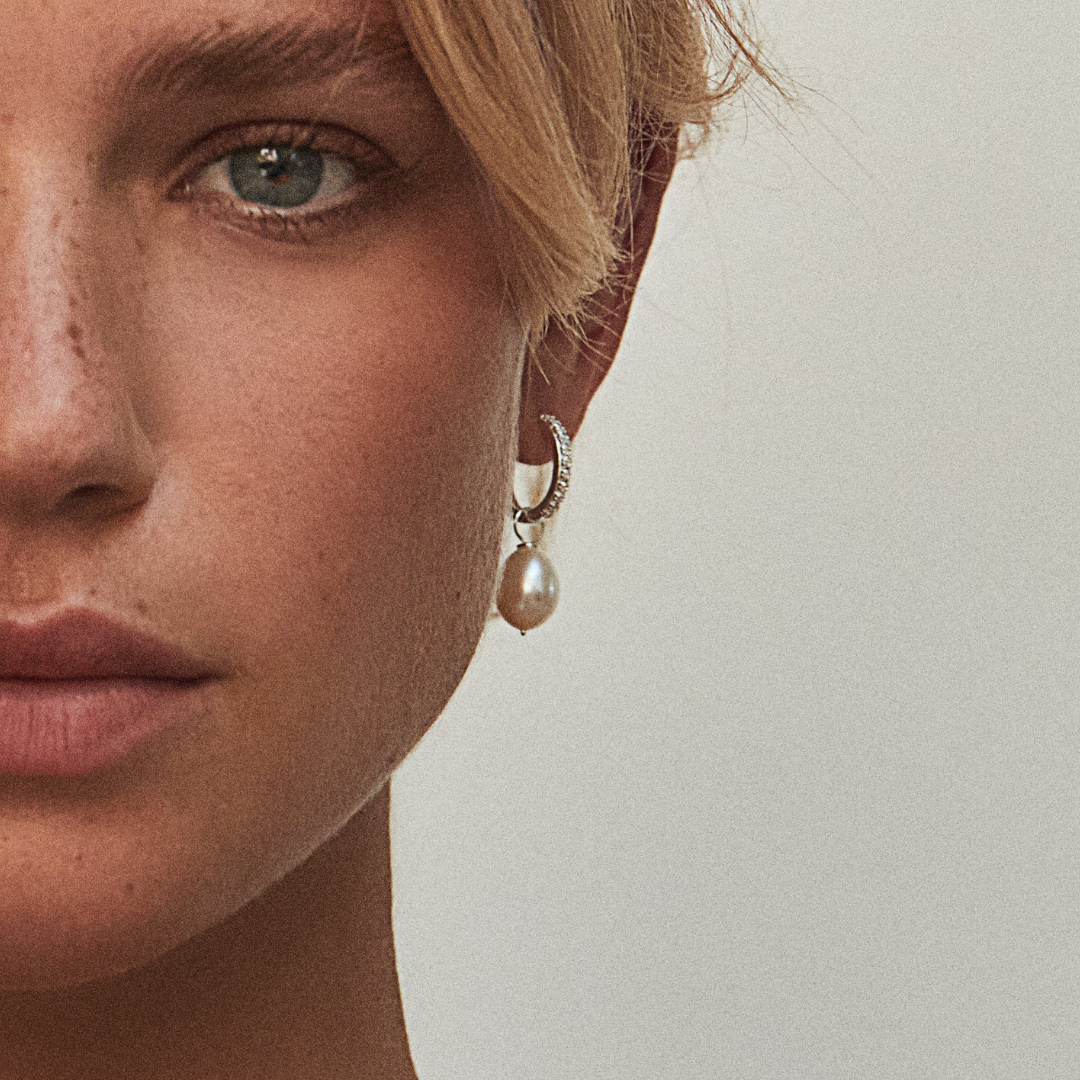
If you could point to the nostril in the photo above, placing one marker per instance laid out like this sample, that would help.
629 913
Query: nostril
90 491
85 504
95 499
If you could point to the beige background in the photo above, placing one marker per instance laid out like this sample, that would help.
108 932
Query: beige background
790 786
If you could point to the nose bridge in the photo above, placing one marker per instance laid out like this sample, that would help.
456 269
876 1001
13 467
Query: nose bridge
69 438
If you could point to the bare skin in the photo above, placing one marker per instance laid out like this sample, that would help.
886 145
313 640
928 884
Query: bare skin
282 441
301 982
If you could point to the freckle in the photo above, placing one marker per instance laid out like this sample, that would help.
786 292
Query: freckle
75 333
8 117
78 858
55 224
92 591
129 888
457 595
140 607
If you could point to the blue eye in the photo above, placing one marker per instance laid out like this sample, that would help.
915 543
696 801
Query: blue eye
276 175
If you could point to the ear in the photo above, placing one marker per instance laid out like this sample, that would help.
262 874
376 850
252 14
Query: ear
573 367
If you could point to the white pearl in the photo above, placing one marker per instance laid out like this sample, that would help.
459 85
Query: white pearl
529 589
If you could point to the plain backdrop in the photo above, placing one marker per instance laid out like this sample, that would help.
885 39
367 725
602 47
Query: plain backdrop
789 787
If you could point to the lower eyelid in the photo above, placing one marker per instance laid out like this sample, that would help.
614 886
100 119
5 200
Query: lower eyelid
336 219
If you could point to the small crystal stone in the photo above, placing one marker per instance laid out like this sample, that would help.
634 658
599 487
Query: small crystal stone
529 589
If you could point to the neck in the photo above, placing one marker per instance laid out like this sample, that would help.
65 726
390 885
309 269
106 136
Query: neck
300 983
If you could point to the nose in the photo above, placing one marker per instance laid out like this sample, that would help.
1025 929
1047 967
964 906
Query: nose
71 445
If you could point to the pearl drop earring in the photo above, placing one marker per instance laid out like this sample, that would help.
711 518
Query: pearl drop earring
529 589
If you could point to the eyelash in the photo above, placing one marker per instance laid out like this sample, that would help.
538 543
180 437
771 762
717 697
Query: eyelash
370 165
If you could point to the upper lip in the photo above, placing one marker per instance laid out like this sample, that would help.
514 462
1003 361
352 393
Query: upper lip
82 644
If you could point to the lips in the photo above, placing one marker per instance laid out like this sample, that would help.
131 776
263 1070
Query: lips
84 645
78 692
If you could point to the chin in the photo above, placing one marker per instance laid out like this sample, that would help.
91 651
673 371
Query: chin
79 903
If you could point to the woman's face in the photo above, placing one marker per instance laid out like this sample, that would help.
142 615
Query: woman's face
257 396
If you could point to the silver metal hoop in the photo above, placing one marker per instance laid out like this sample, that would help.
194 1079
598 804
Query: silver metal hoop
560 479
533 538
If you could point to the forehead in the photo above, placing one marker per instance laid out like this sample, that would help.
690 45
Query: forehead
128 17
65 41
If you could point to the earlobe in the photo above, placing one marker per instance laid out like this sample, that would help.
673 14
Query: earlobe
571 367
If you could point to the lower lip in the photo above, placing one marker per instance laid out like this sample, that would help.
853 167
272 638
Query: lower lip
69 727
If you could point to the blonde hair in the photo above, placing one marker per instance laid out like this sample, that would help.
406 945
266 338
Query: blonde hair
559 102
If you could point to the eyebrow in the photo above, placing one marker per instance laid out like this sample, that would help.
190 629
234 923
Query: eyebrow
228 60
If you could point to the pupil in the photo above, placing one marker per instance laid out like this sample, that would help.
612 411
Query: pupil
276 175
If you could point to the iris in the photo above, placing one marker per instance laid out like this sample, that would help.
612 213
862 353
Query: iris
276 175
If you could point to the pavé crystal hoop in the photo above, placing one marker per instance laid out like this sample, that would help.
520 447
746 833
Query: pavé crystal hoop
529 589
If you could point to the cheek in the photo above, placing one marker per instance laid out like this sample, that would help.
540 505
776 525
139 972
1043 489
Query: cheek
341 433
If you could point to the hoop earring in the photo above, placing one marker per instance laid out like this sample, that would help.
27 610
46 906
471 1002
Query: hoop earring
529 589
